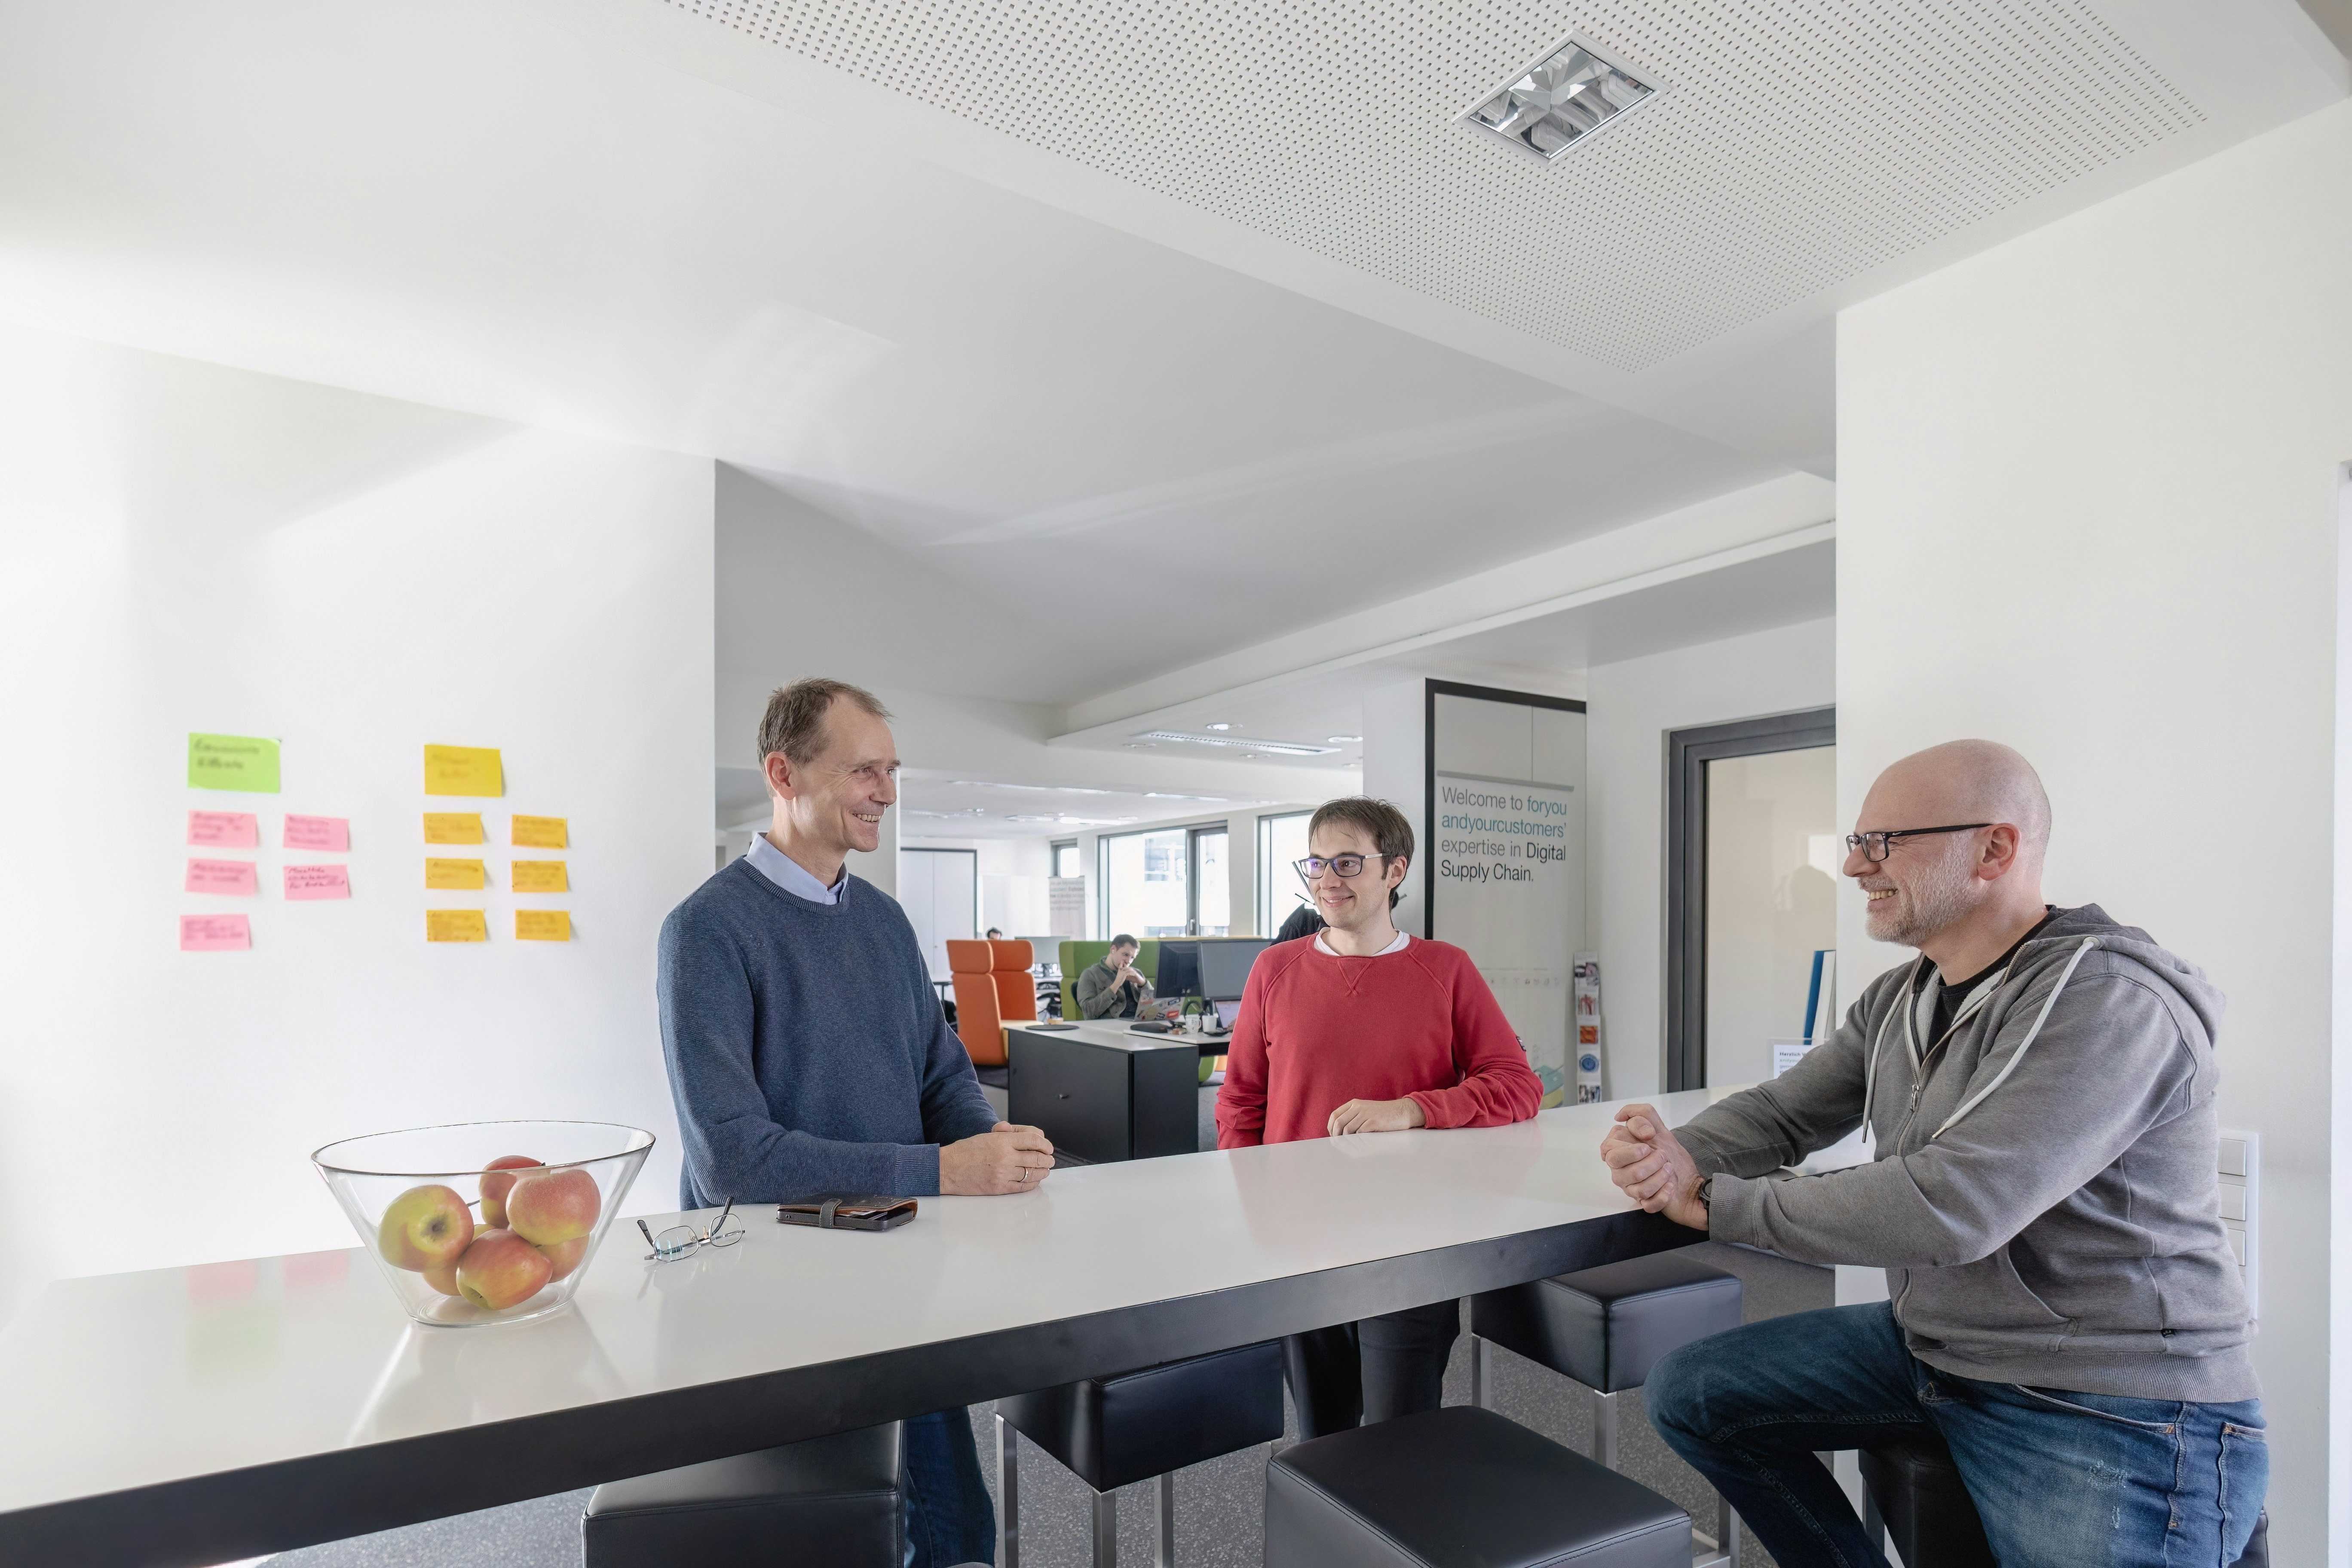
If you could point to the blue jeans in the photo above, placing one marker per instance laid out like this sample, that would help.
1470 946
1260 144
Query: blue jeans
2071 1481
949 1517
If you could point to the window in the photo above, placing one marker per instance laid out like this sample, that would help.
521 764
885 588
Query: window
1158 883
1212 881
1281 845
1066 857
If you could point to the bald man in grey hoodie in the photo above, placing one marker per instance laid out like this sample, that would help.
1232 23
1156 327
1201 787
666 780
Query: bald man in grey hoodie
2066 1312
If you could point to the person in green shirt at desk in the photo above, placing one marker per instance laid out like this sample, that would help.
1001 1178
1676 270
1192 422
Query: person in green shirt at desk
1112 989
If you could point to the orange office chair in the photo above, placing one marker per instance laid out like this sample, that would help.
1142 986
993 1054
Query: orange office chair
993 989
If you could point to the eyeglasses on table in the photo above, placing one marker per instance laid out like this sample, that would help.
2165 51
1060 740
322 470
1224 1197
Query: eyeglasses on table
678 1240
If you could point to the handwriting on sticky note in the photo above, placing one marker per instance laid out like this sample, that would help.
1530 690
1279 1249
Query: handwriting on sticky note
462 770
456 875
541 833
319 833
225 829
215 933
304 883
538 877
456 925
454 827
233 762
221 877
542 925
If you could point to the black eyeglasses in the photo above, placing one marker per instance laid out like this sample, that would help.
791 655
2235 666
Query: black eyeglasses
1875 846
1315 866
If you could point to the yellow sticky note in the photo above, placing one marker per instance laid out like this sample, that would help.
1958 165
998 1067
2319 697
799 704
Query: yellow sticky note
456 875
541 833
542 925
462 770
456 925
538 877
454 827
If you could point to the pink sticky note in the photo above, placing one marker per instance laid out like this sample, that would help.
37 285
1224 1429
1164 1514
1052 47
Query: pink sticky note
305 882
319 833
225 829
215 933
221 877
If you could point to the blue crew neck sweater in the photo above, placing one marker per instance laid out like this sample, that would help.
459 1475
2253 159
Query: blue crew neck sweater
806 1048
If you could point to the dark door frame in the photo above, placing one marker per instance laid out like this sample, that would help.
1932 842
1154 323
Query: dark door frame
1687 753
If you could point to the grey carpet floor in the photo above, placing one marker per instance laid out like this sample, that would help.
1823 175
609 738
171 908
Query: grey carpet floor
1220 1505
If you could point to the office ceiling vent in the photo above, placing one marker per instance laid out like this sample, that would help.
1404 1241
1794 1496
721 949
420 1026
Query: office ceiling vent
1278 748
1800 147
1561 101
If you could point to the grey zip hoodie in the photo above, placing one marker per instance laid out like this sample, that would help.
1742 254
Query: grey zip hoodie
2043 1197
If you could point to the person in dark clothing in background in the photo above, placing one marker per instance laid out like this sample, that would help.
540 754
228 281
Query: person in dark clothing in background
1305 920
807 1052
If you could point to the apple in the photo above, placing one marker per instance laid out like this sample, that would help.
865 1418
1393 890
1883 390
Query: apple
443 1279
565 1255
495 1186
424 1227
502 1270
556 1205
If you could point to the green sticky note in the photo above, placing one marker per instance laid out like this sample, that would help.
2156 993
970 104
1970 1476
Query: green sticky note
244 762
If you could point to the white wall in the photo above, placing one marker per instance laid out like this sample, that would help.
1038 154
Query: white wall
2087 492
1631 706
184 547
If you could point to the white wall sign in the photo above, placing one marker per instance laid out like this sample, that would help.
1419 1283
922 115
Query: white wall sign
1509 889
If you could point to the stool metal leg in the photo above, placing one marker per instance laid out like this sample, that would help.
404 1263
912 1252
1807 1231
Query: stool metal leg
1164 1555
1720 1550
1481 1373
1605 1427
1106 1530
1008 1488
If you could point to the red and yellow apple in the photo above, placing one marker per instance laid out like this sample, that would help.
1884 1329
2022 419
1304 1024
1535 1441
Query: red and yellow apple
502 1270
424 1227
443 1279
497 1183
565 1257
544 1208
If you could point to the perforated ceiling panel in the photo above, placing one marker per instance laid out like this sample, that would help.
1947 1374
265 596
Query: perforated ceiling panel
1801 143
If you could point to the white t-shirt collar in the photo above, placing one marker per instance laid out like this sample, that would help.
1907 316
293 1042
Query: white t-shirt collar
1324 947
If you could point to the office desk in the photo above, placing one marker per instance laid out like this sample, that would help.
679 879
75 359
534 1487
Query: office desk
1103 1091
185 1416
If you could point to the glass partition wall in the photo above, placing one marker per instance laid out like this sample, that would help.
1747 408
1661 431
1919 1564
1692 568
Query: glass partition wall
1281 846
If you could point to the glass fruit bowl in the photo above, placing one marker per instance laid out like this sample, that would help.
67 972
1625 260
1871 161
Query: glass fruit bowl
484 1222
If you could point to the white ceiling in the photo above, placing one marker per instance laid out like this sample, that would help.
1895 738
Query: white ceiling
1100 338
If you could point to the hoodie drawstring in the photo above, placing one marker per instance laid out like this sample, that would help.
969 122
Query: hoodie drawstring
2025 1044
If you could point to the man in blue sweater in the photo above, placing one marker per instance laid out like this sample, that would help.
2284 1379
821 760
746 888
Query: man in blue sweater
807 1049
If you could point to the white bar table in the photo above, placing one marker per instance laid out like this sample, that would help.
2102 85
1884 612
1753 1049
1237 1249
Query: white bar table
185 1417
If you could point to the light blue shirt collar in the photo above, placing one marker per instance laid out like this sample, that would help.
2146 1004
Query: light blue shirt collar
790 876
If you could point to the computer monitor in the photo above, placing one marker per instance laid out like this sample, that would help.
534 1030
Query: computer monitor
1180 970
1225 966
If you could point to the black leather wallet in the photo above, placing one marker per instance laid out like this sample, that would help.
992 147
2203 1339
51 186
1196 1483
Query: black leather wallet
834 1211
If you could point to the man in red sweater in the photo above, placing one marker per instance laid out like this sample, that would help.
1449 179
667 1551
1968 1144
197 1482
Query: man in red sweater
1362 1029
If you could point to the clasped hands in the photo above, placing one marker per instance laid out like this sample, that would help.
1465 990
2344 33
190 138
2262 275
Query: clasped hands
1375 1116
1650 1163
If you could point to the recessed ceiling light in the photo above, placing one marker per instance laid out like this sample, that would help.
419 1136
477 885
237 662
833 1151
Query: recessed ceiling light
1171 794
1064 820
1574 89
1033 789
1343 740
1216 726
1287 748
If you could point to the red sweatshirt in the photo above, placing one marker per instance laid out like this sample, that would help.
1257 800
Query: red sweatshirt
1316 1030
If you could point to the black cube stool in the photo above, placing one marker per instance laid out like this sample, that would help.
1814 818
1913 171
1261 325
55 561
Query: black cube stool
830 1502
1138 1426
1605 1327
1461 1488
1917 1499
